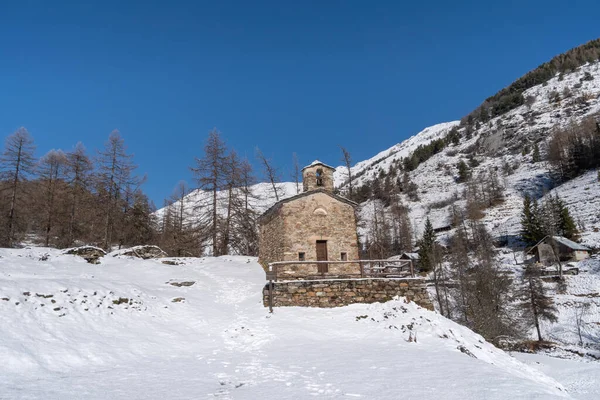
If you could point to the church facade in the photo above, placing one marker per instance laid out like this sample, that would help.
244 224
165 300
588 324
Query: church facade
315 225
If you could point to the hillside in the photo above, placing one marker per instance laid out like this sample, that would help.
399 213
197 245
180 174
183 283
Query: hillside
143 329
503 146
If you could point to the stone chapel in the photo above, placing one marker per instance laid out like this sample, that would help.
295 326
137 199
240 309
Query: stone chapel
315 225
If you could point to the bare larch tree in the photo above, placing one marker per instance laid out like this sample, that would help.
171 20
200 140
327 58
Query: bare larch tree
114 176
79 170
51 172
348 163
270 171
296 172
17 163
209 173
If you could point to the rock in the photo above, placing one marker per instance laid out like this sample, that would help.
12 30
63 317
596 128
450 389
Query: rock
90 254
180 284
170 262
463 349
178 299
145 252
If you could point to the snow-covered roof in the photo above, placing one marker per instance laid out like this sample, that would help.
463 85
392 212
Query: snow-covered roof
569 243
562 240
412 256
317 162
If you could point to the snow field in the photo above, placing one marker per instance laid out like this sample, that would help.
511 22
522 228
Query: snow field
118 333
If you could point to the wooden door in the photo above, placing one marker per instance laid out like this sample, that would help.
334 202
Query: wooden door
322 255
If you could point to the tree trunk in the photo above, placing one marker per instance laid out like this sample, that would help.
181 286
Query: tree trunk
536 319
13 200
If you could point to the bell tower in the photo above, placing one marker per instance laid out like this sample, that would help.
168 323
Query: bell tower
317 176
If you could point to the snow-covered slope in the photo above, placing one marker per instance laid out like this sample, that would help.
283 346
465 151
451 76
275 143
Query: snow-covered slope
129 328
262 197
367 170
496 145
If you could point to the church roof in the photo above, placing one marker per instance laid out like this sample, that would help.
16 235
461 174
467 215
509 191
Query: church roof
277 205
317 162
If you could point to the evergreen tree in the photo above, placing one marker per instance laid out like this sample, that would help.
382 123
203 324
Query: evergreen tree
567 227
536 153
463 171
531 229
426 248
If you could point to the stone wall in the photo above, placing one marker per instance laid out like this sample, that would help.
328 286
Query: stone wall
271 239
319 217
341 292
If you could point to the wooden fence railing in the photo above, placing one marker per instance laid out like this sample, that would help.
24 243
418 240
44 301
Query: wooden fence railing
368 269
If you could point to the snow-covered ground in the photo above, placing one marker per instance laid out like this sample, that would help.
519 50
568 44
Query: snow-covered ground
135 329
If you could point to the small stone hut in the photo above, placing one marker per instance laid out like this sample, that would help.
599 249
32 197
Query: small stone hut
315 225
550 247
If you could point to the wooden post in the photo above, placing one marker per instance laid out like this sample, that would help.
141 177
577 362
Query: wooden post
271 296
412 270
560 271
362 269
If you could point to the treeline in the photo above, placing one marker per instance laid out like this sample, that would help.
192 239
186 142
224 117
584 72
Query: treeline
511 97
472 288
549 218
221 218
575 148
71 198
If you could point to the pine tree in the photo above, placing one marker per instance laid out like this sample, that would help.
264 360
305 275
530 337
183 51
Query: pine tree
426 248
567 227
536 153
463 171
531 229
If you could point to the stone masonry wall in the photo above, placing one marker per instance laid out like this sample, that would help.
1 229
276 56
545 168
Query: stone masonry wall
318 217
309 178
272 235
340 292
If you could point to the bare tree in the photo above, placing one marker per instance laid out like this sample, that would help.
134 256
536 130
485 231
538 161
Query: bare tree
270 171
114 176
537 304
348 163
79 170
296 172
209 173
51 171
245 216
232 181
581 310
17 163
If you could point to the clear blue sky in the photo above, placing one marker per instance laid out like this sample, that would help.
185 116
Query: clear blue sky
287 76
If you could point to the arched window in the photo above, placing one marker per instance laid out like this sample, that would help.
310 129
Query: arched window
319 177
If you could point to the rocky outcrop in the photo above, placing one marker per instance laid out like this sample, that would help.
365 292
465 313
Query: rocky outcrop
145 252
91 254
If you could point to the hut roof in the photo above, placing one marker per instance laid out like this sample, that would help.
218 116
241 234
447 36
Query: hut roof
562 240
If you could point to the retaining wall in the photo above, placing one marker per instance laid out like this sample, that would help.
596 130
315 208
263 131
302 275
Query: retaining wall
341 292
